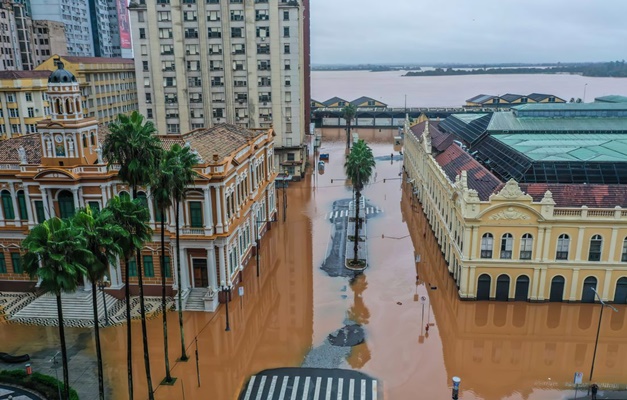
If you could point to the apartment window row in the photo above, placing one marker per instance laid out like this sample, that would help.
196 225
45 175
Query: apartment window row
16 263
148 266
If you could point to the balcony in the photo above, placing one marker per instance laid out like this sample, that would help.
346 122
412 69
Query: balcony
193 231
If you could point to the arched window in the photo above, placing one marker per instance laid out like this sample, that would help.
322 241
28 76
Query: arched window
141 196
522 288
596 243
21 203
7 205
483 287
620 294
623 256
507 244
502 288
487 242
59 108
557 289
588 294
92 138
123 195
84 141
526 246
66 204
563 243
68 106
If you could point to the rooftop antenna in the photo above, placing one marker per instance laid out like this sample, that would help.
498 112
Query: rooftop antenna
405 104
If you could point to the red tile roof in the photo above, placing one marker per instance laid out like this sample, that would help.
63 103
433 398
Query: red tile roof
439 140
99 60
454 160
34 74
577 195
31 143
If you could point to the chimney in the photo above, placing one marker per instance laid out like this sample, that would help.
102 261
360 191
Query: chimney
216 157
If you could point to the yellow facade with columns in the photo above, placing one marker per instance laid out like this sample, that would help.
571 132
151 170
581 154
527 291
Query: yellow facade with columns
510 245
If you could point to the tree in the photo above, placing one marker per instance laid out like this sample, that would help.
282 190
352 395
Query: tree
359 167
133 145
161 190
133 217
348 112
56 255
101 234
183 161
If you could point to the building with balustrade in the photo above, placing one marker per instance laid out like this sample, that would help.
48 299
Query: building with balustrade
528 204
60 168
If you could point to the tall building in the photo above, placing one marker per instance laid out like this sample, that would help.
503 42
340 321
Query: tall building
201 63
23 101
9 44
59 168
528 204
108 85
49 38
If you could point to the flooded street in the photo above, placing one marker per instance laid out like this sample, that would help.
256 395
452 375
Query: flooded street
500 350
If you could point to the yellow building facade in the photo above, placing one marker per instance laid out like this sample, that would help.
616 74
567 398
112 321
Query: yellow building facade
23 101
506 241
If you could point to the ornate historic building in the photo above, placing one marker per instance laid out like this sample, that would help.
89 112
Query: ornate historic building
533 241
60 168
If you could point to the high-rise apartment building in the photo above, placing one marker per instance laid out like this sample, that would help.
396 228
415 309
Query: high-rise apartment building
49 38
10 56
204 62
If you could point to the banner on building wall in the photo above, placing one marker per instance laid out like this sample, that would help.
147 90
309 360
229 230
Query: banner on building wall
124 24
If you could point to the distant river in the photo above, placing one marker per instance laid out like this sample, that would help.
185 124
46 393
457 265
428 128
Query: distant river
448 91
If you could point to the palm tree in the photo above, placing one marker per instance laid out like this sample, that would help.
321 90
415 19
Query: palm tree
56 255
100 233
161 190
183 161
348 112
359 167
133 145
133 217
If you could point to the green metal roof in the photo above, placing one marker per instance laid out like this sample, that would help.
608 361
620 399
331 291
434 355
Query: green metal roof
468 118
570 106
568 146
508 122
611 99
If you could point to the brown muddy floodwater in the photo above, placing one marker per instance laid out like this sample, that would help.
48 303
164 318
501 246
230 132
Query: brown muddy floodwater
500 350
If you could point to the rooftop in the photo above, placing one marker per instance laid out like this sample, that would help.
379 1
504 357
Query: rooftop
611 99
577 195
98 60
546 119
34 74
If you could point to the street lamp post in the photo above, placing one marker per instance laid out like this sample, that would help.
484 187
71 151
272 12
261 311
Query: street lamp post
596 341
226 289
456 382
104 283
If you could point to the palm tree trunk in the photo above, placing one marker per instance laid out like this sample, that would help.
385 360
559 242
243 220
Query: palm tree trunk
348 135
168 377
129 352
355 243
94 303
178 277
142 312
66 372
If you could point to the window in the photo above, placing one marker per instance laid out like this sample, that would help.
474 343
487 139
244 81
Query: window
145 65
172 128
149 113
263 32
31 112
526 246
191 33
237 15
287 65
239 48
214 33
148 98
286 49
595 248
3 264
486 245
132 267
261 15
563 243
190 16
14 113
286 31
191 49
7 205
21 203
165 33
10 97
286 15
149 268
195 214
164 16
142 33
213 16
146 81
166 266
169 81
66 204
623 257
39 210
215 49
16 260
144 50
94 206
263 48
507 243
29 97
237 32
167 49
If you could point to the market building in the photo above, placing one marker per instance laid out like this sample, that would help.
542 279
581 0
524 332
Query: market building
528 204
60 168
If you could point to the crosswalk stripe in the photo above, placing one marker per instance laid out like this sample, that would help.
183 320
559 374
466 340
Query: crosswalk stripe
374 389
329 387
340 388
261 385
336 214
317 391
272 386
295 388
306 390
283 388
363 389
250 387
351 389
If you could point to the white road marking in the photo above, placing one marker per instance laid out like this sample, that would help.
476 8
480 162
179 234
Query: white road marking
295 388
329 386
250 387
317 391
351 389
272 386
340 388
363 389
306 390
374 389
283 387
261 385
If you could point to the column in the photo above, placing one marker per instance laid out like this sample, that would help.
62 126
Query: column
16 209
574 284
541 288
86 284
467 243
226 220
103 191
223 277
52 212
238 201
473 244
29 207
539 255
471 283
151 209
46 204
208 211
579 244
534 284
547 244
75 196
613 245
211 267
2 221
173 263
219 209
185 281
181 214
81 197
606 284
114 274
463 283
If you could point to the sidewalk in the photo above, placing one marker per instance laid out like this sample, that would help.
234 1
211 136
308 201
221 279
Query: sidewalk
601 395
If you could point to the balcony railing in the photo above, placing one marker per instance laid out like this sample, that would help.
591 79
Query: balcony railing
192 231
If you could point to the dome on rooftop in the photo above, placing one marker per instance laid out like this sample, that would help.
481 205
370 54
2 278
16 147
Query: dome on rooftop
61 75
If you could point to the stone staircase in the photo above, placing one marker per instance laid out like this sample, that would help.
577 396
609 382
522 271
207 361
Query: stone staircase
77 309
195 300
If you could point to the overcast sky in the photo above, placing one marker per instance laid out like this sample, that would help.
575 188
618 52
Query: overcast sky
477 31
